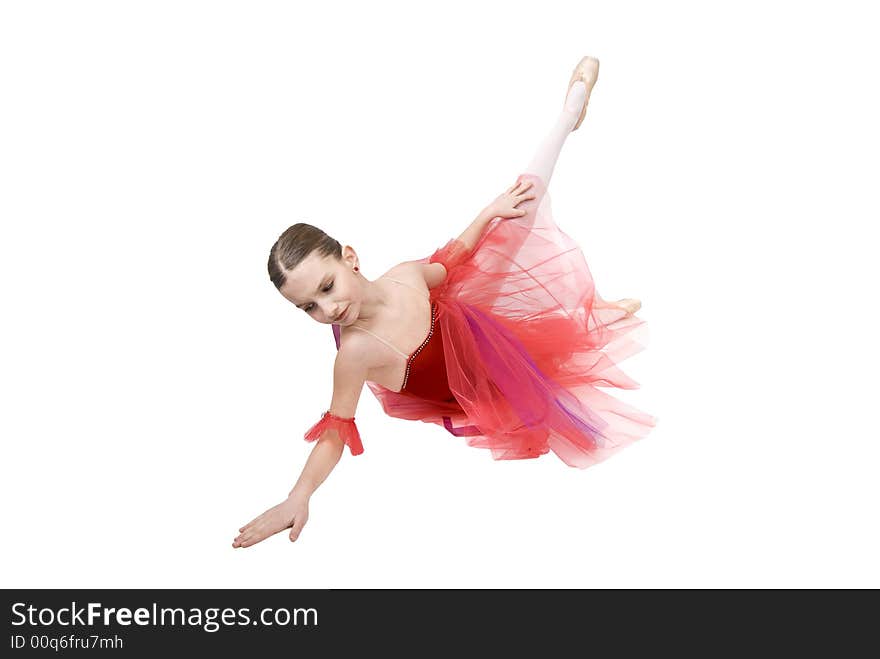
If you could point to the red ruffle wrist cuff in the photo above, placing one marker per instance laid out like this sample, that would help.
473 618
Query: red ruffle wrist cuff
345 427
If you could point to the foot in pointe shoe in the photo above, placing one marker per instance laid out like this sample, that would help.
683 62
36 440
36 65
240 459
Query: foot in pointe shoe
587 71
628 304
631 305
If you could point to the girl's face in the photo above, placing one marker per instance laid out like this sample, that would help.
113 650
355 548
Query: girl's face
326 289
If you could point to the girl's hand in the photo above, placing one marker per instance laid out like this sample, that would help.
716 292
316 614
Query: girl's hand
292 513
505 206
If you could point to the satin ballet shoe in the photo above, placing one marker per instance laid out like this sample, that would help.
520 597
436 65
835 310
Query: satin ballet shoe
628 304
631 305
587 71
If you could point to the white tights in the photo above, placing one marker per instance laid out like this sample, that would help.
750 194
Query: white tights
545 159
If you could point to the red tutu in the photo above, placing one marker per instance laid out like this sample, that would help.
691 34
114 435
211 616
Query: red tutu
526 342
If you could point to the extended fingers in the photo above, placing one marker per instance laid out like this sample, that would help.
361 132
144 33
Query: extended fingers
248 531
252 522
522 197
520 194
240 538
248 538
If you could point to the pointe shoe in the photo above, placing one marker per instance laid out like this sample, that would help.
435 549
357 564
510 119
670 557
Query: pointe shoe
631 305
628 304
587 70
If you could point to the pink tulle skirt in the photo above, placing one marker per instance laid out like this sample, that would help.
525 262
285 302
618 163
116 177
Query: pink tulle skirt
528 344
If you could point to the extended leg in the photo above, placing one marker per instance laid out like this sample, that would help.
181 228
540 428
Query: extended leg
544 161
542 165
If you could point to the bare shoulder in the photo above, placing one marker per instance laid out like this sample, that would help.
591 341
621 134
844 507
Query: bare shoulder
357 349
429 274
405 270
433 274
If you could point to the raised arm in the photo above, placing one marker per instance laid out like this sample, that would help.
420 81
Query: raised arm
335 429
471 235
504 206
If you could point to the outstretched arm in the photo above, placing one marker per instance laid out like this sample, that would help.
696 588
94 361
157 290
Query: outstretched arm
322 459
471 235
349 375
504 206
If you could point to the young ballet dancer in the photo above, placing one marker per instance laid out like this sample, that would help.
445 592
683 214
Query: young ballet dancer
500 336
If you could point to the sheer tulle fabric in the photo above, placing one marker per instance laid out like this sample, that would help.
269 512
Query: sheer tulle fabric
346 428
528 341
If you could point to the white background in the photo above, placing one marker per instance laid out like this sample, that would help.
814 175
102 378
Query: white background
156 387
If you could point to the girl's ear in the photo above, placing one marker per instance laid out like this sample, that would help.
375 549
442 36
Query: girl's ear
350 256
